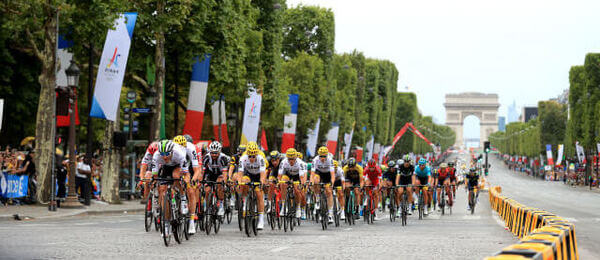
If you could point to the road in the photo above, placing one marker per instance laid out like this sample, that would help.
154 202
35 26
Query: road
578 205
458 236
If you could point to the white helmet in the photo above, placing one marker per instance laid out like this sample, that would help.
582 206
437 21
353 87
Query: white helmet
215 147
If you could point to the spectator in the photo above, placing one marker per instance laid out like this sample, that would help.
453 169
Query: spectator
28 168
61 175
82 179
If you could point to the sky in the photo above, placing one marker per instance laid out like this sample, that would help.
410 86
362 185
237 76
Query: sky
521 50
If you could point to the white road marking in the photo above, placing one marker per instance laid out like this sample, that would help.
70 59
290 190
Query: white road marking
279 249
85 223
471 217
571 219
347 229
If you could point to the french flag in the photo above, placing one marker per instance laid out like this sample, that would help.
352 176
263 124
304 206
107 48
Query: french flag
289 124
218 110
332 137
197 98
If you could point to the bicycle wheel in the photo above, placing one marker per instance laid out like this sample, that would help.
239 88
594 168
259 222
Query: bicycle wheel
210 213
175 218
285 216
255 215
217 224
404 208
248 216
292 213
323 210
443 201
148 214
241 216
373 203
164 221
421 205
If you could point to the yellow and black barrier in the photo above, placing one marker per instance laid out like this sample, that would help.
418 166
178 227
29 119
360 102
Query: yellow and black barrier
543 235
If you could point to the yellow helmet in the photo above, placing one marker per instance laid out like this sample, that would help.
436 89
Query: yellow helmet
252 148
300 155
323 151
291 153
180 140
335 163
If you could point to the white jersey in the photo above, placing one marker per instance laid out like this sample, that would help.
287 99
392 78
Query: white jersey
147 159
177 159
192 156
256 167
323 167
299 167
339 173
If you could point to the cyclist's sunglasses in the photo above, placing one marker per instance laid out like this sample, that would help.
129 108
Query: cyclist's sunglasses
322 156
165 154
252 156
214 153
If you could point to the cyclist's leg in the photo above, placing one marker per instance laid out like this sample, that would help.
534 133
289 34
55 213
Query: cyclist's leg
448 192
316 188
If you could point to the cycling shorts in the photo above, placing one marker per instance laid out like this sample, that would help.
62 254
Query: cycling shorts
452 178
374 181
423 180
293 177
472 183
325 176
355 181
337 183
405 180
251 177
441 180
390 177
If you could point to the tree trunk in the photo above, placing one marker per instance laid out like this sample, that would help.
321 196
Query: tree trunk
44 118
159 61
111 160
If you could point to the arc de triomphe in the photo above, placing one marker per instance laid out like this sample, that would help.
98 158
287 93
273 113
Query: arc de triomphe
483 106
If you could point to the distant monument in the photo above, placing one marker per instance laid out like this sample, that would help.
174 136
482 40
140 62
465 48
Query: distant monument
483 106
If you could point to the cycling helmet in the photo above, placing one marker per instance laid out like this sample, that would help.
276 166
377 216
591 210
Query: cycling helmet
291 153
215 147
422 161
189 138
372 163
450 164
165 146
152 148
274 155
351 162
241 148
335 163
300 155
443 165
407 158
252 149
323 151
180 140
391 163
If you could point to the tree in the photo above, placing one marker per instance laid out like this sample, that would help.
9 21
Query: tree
553 123
576 109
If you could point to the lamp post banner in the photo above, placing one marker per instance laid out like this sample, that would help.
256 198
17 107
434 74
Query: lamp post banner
194 115
289 124
111 70
560 154
332 136
312 138
251 117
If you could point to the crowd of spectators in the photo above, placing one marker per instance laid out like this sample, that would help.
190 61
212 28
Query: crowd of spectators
17 162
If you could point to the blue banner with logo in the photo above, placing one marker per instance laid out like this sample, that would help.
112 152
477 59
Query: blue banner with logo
112 68
13 186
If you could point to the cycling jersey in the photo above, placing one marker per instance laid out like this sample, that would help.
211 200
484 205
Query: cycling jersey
443 173
339 173
272 170
191 155
298 169
215 168
406 171
373 173
425 172
354 174
252 168
390 174
178 159
325 166
472 180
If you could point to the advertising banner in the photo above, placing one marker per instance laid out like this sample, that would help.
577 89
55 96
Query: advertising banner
194 115
560 154
289 124
549 154
348 143
313 137
13 186
251 117
332 136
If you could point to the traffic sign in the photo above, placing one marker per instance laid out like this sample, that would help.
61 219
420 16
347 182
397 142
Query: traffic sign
131 96
136 123
125 128
126 110
141 110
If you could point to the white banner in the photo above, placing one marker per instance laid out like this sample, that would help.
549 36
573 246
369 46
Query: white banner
112 68
64 60
598 148
251 117
560 154
1 111
313 136
580 152
369 147
348 143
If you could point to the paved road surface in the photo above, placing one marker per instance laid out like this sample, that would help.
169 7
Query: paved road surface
577 205
459 236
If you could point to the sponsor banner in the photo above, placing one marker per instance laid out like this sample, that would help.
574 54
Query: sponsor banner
13 186
369 147
598 148
64 57
580 152
313 137
111 70
194 115
560 154
332 136
549 154
263 141
289 124
251 117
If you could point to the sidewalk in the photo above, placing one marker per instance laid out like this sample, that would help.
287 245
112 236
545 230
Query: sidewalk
32 212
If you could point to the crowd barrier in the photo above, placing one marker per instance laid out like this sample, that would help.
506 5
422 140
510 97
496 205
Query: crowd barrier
543 235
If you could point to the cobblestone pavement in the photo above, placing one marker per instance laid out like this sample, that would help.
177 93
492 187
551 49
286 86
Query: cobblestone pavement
580 206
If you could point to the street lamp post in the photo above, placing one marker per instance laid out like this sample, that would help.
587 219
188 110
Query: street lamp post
73 82
151 102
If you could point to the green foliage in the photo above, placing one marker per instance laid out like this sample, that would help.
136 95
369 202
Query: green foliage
309 29
553 123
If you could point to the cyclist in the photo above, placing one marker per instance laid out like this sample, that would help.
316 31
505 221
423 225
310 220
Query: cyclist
145 171
274 160
423 177
452 178
253 167
338 185
353 175
215 170
372 175
170 161
192 167
471 181
389 178
443 180
293 170
323 172
234 163
405 176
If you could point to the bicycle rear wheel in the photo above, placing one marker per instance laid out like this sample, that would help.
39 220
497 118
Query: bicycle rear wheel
241 216
323 210
255 215
248 216
210 213
148 214
164 221
421 205
175 219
